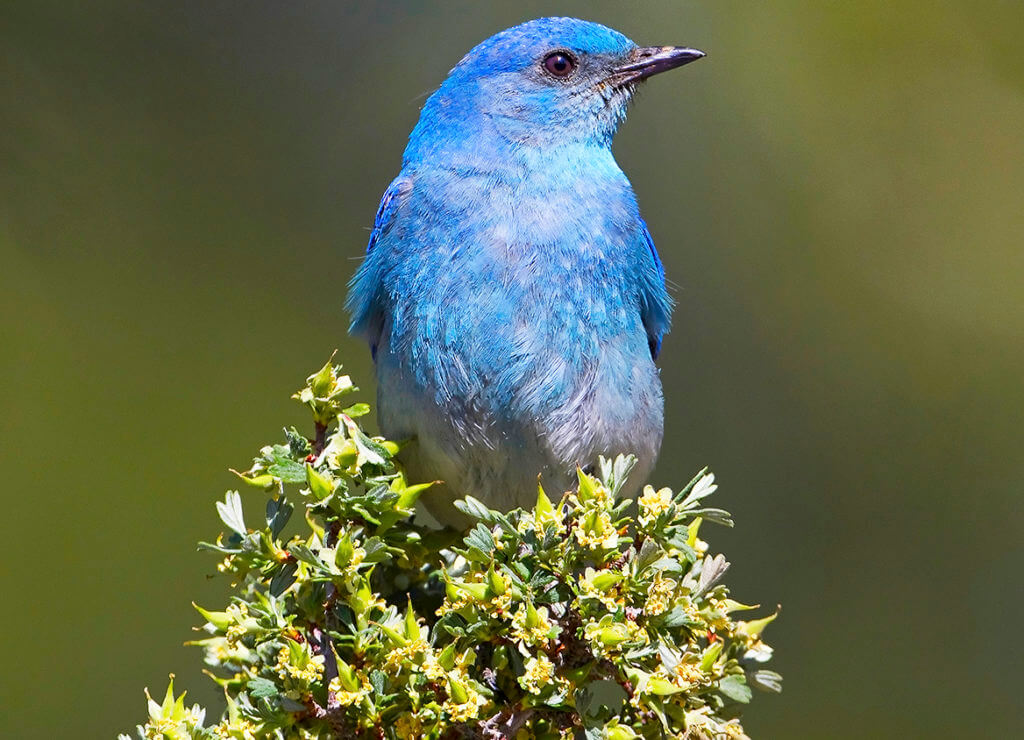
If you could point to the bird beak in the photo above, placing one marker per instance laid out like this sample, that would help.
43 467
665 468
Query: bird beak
650 60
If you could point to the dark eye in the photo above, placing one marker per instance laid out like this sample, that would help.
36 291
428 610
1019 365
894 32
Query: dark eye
559 64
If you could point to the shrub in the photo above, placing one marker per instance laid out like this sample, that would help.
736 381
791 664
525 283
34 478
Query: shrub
588 616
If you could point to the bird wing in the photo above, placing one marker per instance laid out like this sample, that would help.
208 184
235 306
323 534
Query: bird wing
655 303
365 301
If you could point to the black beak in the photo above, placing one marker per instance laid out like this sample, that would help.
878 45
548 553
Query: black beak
650 60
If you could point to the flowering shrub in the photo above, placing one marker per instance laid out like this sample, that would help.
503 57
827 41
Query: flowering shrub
574 619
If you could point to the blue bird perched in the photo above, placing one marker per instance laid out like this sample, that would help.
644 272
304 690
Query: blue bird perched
511 293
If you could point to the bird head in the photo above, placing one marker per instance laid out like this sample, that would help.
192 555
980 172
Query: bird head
547 82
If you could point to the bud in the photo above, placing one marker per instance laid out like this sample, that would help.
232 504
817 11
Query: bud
412 627
618 732
496 582
613 636
319 486
457 690
447 657
347 455
322 382
347 676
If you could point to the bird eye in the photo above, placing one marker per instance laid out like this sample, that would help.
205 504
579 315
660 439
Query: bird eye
559 64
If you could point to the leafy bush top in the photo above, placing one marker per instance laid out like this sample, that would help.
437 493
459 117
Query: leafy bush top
584 617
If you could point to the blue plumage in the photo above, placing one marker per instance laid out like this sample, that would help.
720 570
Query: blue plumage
511 293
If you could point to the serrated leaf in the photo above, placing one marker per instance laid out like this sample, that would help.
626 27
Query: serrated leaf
615 473
711 573
379 681
298 445
230 510
481 538
677 617
766 681
290 705
735 687
303 554
261 688
283 579
356 410
279 463
376 550
650 552
474 508
370 451
279 511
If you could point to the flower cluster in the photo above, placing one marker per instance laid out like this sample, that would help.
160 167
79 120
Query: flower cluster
575 617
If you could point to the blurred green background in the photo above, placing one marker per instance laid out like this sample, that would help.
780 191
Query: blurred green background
837 191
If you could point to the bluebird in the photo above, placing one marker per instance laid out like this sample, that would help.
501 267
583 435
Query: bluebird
511 294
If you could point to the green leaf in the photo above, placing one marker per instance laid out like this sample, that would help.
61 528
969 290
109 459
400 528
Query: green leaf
370 451
303 554
677 617
755 627
283 579
279 462
220 620
379 681
376 550
261 688
356 410
481 538
650 552
265 481
279 511
474 508
735 687
298 444
683 496
718 516
615 473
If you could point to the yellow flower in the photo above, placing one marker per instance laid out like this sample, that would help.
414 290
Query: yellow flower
686 675
469 707
500 604
303 667
636 632
237 729
431 668
531 625
734 729
402 656
654 503
539 672
594 530
348 698
659 595
602 585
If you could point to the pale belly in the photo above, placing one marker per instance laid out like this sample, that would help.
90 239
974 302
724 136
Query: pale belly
496 449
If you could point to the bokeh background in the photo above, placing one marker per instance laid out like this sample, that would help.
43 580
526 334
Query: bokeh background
837 191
